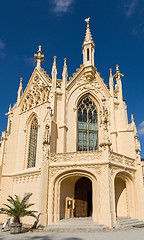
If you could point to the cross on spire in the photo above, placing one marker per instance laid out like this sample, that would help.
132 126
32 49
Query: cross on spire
39 57
118 75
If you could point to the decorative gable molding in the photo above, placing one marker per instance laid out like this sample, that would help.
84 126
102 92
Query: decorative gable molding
37 94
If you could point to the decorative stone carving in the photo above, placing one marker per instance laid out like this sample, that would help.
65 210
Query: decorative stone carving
27 177
91 168
123 160
37 94
59 84
113 170
76 157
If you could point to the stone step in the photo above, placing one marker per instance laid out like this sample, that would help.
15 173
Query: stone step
75 229
125 223
75 225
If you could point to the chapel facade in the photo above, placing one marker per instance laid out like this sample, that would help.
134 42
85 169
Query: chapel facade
68 141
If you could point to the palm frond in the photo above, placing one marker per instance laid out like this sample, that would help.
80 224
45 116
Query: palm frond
18 208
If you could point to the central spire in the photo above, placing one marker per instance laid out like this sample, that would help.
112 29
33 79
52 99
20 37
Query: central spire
88 46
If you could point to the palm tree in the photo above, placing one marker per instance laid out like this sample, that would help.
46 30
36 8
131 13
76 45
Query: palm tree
18 208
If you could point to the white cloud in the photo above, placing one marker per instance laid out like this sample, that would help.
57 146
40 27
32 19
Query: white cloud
61 6
29 61
2 45
130 7
141 128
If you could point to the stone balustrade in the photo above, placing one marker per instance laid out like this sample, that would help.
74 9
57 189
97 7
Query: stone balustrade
91 157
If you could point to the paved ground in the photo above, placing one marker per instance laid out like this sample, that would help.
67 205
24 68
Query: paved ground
131 234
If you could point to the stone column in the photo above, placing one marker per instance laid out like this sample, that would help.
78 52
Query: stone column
45 178
139 190
105 214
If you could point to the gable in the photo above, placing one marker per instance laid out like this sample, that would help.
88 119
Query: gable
36 91
82 82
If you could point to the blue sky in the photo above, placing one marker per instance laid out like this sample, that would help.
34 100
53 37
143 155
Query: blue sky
117 28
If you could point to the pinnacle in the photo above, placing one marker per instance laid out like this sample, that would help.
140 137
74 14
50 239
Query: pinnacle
110 72
39 57
132 118
21 79
54 63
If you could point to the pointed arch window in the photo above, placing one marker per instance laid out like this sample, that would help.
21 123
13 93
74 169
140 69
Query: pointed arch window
87 125
33 143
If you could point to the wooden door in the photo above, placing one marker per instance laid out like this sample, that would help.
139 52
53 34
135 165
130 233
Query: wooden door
80 208
83 198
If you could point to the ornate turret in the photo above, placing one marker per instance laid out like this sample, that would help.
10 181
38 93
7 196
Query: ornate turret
20 91
88 47
39 57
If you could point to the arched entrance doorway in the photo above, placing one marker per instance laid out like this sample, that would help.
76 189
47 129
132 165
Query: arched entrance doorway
80 189
124 195
83 198
121 198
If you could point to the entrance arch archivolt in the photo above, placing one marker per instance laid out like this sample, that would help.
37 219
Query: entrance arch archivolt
124 195
65 182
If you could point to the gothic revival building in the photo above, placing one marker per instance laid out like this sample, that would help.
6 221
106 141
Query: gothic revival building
70 144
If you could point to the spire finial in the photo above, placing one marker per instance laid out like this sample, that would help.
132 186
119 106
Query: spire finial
87 21
117 68
64 74
65 67
118 75
88 36
9 107
20 91
39 57
54 71
65 61
110 72
54 63
21 79
132 118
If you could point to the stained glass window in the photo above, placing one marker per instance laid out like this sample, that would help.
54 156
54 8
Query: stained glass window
33 143
87 125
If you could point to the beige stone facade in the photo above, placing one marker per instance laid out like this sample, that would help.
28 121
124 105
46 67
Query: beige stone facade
47 151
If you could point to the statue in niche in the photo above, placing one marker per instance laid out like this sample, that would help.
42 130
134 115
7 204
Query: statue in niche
104 120
46 141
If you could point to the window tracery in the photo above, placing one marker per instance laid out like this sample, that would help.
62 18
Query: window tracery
87 125
33 143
